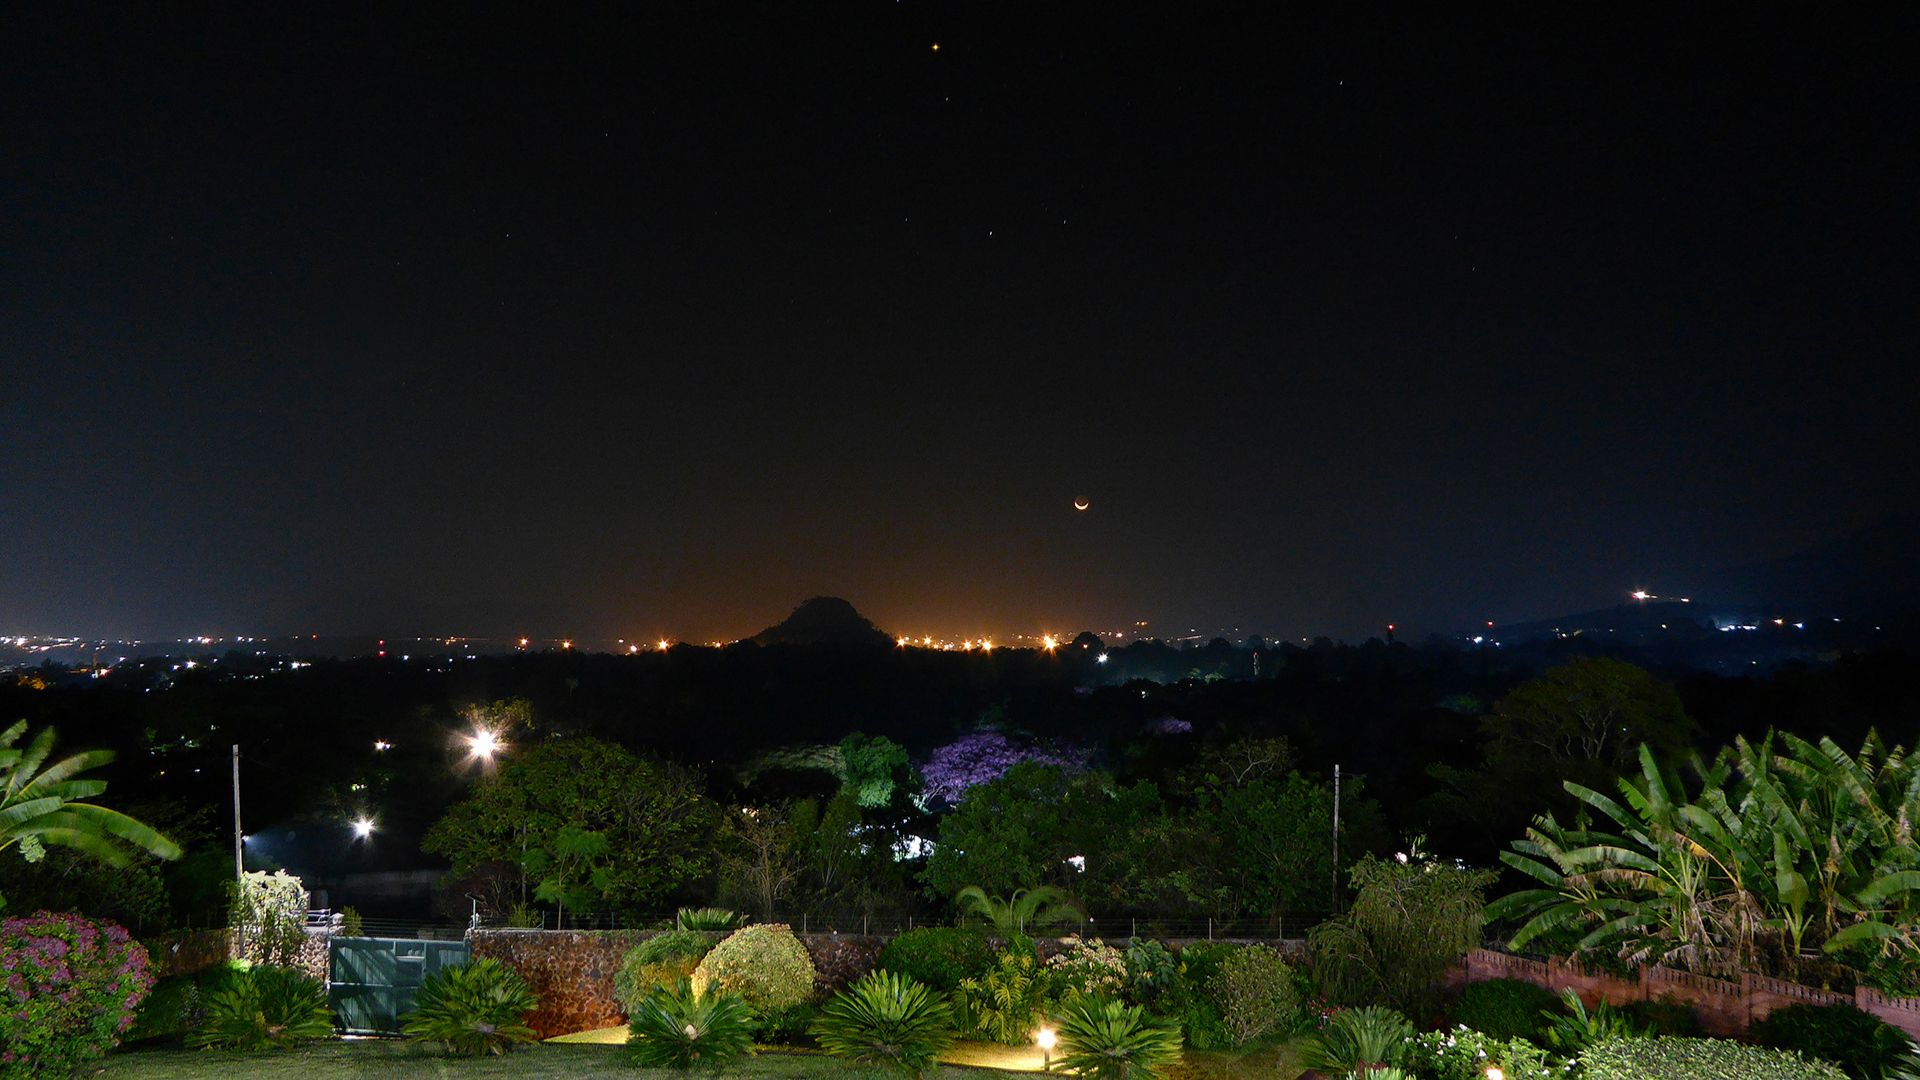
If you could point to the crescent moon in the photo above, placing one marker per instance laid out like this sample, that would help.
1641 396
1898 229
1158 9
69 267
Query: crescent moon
1081 504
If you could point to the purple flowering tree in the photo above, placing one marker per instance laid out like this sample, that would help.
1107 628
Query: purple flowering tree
983 756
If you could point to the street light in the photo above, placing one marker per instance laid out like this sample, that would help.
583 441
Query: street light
362 828
483 744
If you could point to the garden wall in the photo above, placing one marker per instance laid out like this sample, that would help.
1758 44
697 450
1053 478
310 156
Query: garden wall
1724 1007
185 952
572 970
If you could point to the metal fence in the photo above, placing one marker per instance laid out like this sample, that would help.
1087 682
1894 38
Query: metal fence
1177 927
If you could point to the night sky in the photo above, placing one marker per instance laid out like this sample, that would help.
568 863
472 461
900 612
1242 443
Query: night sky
660 319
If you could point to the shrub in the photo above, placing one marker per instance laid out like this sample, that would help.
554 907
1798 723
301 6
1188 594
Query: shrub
1666 1016
264 1008
1856 1041
68 990
1465 1054
1108 1040
268 913
351 924
1008 1002
1200 961
679 1029
658 963
1357 1040
1255 991
1153 972
1576 1028
1410 921
789 1026
938 956
1088 966
887 1019
1504 1008
764 964
473 1010
706 920
1693 1059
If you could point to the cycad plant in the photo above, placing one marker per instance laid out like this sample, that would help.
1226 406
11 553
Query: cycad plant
1021 914
887 1019
45 803
473 1010
706 920
265 1007
1110 1040
1357 1040
678 1029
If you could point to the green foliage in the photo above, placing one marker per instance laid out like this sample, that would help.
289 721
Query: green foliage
764 964
706 920
1409 923
1356 1040
1465 1054
1088 966
1256 994
44 803
265 1007
1779 850
659 963
1009 1001
1107 1040
1504 1008
1573 1028
1153 973
872 768
1858 1042
268 913
1693 1059
1012 832
351 925
939 956
177 1004
1667 1016
474 1010
542 810
1025 912
1199 965
789 1026
887 1019
68 990
679 1029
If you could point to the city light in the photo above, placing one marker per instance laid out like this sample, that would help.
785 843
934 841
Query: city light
663 644
1101 659
1642 595
381 745
904 642
1048 643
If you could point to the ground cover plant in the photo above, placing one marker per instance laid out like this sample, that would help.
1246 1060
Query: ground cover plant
1693 1059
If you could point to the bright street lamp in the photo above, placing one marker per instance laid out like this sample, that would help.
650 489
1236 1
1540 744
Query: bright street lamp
362 828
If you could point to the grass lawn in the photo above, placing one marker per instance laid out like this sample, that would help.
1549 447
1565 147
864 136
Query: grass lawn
372 1059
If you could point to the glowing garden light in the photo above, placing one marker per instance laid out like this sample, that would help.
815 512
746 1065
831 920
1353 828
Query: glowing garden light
1044 1039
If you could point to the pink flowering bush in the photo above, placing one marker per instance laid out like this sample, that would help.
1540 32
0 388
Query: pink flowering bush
68 989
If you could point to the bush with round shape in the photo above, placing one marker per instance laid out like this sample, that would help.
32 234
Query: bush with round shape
1256 994
1356 1040
473 1010
265 1007
659 962
1504 1008
1858 1042
1696 1059
764 964
678 1029
1104 1039
69 987
1465 1054
938 956
887 1019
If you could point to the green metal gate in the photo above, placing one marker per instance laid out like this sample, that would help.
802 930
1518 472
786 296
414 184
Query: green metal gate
371 981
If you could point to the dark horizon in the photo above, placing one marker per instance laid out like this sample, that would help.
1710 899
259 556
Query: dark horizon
662 321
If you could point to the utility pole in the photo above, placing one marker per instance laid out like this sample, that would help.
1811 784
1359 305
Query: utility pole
239 866
1336 837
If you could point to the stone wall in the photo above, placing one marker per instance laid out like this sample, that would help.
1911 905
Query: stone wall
1723 1006
185 952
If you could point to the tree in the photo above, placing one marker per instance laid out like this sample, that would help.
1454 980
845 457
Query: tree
1018 831
1412 918
761 856
42 804
1593 711
655 822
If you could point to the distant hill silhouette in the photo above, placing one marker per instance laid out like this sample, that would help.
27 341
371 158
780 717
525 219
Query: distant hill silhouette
1870 570
824 620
